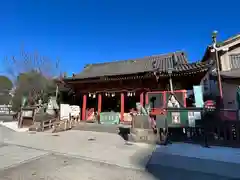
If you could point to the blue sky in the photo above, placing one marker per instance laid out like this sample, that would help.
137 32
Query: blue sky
90 31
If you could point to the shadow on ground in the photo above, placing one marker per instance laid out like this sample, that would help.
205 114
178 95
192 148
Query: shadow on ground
171 167
170 173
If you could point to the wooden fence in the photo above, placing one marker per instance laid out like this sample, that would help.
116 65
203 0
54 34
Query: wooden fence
223 130
226 133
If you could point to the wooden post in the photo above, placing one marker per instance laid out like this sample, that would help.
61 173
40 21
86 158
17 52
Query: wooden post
99 106
141 99
84 105
122 107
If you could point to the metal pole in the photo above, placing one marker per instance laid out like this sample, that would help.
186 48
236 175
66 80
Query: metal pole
56 93
170 82
218 75
170 70
214 43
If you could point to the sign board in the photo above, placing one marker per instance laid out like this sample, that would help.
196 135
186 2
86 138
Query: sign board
192 117
176 118
65 110
27 113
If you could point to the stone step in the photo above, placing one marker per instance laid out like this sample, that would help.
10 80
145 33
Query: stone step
97 127
143 135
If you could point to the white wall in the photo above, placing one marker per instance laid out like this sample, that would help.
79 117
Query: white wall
225 60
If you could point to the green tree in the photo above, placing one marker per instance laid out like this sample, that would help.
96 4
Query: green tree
5 83
6 86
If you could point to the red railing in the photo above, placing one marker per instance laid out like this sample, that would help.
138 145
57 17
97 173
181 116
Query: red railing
157 111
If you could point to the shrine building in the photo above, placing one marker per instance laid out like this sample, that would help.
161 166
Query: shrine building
118 85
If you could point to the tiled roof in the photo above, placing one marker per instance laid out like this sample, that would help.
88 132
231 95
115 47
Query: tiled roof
229 40
162 62
193 66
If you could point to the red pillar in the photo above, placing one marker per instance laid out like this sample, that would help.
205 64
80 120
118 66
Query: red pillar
141 98
146 98
99 105
84 105
122 107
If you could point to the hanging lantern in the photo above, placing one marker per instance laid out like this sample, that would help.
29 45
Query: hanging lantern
128 94
113 94
94 95
134 94
89 95
106 94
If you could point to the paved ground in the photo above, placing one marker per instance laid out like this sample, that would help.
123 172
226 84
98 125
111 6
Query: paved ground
102 156
6 118
59 167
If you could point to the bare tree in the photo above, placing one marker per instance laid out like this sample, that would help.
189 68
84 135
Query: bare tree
33 76
27 62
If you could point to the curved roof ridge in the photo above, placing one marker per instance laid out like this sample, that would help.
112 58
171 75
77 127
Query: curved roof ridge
144 58
132 66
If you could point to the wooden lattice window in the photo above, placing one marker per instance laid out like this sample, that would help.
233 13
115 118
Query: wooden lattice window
235 61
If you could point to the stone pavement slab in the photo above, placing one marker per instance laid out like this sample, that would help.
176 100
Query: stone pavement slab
162 172
55 167
58 167
13 125
224 154
218 161
13 155
111 150
204 166
104 147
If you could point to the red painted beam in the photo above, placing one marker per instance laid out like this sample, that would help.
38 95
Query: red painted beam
99 105
146 98
122 107
84 105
